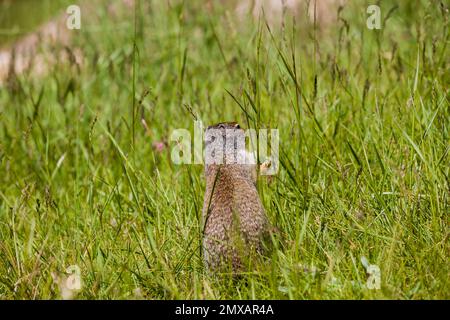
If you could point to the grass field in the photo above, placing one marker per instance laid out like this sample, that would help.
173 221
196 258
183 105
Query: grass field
363 117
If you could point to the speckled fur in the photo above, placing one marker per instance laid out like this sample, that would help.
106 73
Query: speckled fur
234 217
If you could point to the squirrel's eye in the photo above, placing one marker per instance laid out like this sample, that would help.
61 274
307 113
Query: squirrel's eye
221 126
237 126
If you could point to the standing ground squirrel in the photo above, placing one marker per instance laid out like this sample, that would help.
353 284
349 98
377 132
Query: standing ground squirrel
235 222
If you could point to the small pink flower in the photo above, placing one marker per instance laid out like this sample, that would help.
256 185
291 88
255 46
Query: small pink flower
158 146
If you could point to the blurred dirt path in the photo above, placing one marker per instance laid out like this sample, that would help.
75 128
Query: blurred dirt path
26 55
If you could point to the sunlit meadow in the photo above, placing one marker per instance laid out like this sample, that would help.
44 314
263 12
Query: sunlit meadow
93 207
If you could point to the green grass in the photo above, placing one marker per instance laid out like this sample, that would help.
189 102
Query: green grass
363 117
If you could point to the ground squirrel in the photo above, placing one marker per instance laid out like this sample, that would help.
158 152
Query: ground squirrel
235 223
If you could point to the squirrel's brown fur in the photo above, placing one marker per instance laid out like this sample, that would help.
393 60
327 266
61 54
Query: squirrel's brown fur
235 222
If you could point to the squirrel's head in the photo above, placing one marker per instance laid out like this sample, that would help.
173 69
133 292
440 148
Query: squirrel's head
225 144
